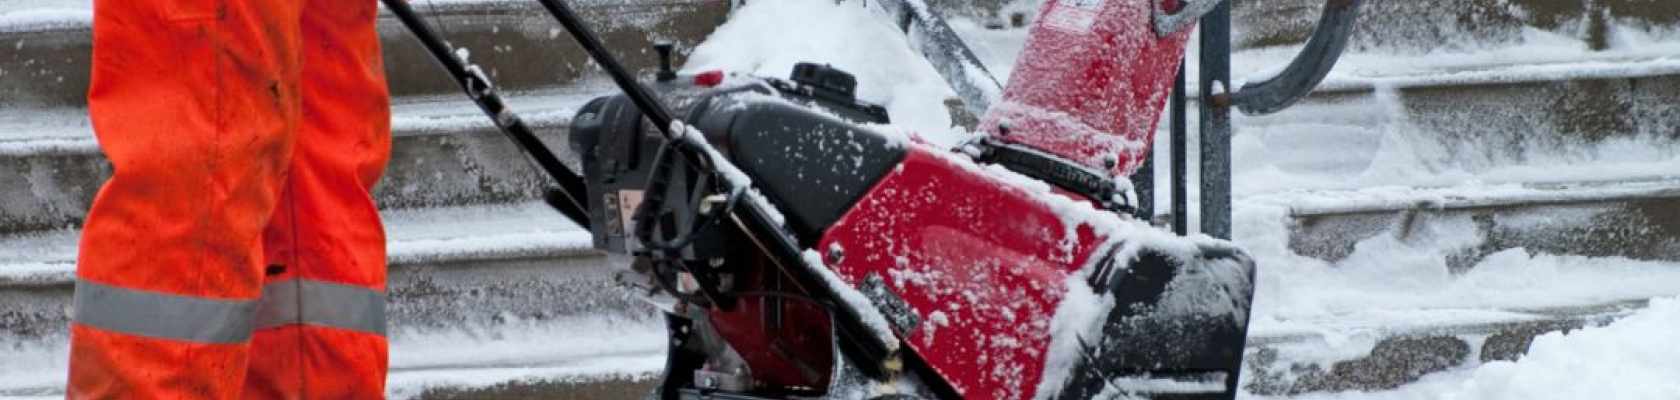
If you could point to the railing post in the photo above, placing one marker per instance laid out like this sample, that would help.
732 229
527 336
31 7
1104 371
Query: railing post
1143 184
1216 121
1180 157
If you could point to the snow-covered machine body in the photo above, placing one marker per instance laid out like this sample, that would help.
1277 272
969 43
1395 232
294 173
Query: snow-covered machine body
1090 83
1009 268
991 283
808 254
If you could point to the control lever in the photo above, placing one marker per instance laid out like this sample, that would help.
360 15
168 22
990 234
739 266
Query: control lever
666 74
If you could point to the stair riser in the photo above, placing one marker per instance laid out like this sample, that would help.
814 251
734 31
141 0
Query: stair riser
474 166
1414 25
1479 126
473 295
518 45
1643 229
1425 25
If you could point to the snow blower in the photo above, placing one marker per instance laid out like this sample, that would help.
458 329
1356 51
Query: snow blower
807 254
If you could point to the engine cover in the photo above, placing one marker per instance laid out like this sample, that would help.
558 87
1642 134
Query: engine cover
797 138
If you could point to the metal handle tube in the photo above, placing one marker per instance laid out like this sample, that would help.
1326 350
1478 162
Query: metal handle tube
483 93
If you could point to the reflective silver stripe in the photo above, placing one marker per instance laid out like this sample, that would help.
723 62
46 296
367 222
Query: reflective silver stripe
311 302
202 320
162 315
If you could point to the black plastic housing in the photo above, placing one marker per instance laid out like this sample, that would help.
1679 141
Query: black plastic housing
802 145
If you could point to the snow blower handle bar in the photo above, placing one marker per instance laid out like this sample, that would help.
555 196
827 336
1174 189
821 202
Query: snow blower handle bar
858 339
568 199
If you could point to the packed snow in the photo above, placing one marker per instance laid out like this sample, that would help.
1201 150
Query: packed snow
767 38
1633 358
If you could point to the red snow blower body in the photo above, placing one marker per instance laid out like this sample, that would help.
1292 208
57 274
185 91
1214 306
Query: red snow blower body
810 254
1009 269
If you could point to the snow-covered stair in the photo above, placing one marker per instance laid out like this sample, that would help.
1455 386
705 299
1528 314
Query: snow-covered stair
1350 354
47 43
449 265
1427 213
506 287
1423 24
444 152
1626 218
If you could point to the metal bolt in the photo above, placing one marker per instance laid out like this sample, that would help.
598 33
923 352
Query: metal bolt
835 253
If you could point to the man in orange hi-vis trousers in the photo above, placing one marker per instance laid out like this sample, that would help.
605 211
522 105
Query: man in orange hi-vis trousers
236 251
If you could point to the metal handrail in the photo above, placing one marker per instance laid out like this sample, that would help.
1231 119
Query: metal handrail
1308 68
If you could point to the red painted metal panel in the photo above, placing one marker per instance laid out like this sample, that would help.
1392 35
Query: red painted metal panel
1091 83
979 258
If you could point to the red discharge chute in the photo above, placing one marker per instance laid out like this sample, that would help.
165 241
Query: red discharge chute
1090 84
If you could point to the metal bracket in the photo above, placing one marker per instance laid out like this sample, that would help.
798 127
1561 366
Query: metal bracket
903 318
1091 183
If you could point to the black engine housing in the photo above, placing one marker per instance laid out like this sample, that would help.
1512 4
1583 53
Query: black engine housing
801 141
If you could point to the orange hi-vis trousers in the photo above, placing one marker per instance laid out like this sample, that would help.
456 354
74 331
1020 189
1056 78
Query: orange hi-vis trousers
236 251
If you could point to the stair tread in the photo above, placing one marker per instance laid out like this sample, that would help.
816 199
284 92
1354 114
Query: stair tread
1481 194
18 17
1366 72
1445 320
1362 71
462 233
1358 71
41 15
67 130
1356 76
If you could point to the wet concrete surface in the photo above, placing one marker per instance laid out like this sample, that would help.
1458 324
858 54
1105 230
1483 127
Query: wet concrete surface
625 389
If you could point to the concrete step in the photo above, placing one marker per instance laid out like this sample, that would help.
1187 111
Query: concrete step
623 362
471 267
1490 104
1636 219
1478 117
1423 26
1379 358
48 48
444 152
622 388
1406 26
